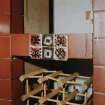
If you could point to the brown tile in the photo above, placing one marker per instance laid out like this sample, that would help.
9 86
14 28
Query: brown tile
20 45
17 67
99 99
80 46
99 24
17 7
10 89
17 24
5 46
99 78
99 4
98 51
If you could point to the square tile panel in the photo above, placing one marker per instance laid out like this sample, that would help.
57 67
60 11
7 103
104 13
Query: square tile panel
35 52
47 40
49 46
61 40
47 53
60 53
36 40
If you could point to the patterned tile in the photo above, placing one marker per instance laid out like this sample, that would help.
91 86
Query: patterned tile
35 53
47 53
60 47
47 46
36 40
47 40
60 40
60 53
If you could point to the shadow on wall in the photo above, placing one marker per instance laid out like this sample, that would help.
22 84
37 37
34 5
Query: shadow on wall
83 66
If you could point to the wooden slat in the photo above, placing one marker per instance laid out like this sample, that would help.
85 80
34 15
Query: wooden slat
25 76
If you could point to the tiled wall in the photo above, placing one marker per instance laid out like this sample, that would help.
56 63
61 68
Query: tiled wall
10 70
11 21
99 52
11 16
80 45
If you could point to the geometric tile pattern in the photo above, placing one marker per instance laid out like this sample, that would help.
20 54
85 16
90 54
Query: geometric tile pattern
49 46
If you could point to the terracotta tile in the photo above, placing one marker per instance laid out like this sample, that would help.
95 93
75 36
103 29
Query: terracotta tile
99 4
10 89
99 24
20 45
11 69
5 34
5 23
99 78
99 99
5 68
5 46
8 7
80 46
98 51
4 7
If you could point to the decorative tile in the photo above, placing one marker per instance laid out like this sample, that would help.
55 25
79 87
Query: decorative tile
47 53
60 53
35 53
47 46
47 40
61 40
60 47
36 40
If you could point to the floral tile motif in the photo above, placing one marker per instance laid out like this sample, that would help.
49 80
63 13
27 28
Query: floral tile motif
36 40
60 40
60 47
35 53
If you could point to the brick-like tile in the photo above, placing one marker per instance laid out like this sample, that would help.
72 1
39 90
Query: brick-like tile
99 4
5 47
80 46
99 24
10 89
20 45
99 78
5 68
11 69
98 51
99 99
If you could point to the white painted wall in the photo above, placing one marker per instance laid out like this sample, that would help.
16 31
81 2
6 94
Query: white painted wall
69 16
